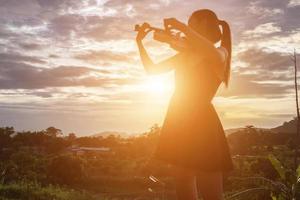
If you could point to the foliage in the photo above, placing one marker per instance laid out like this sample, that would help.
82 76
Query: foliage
66 170
34 191
44 158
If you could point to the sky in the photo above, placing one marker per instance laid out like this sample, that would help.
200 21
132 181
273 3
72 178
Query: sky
75 64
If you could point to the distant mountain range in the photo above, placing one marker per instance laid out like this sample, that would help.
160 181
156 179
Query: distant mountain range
108 133
286 127
233 130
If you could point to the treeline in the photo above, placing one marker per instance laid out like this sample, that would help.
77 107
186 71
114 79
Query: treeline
46 158
250 140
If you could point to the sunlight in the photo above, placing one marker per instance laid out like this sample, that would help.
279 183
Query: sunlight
160 85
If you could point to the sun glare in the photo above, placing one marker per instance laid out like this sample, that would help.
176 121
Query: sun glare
159 84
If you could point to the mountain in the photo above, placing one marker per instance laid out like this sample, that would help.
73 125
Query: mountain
286 127
232 130
108 133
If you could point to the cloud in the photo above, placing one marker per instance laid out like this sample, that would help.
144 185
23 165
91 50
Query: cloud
54 48
64 25
60 5
257 8
263 30
106 56
294 3
247 86
24 76
266 74
109 28
16 57
258 59
13 10
43 94
31 46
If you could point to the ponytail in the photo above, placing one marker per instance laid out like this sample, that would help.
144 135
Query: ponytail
226 43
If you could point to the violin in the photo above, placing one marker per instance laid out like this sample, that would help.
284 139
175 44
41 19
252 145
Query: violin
175 40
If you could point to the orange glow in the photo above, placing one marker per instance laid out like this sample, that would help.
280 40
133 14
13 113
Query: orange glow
158 85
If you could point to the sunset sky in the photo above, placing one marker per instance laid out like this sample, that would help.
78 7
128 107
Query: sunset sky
74 64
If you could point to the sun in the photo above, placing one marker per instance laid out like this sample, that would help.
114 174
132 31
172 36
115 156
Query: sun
159 84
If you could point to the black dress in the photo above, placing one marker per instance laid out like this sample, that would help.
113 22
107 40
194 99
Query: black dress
192 135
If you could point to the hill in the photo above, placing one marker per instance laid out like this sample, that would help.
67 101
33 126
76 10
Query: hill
234 130
286 127
108 133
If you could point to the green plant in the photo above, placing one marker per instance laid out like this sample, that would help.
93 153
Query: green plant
34 191
286 187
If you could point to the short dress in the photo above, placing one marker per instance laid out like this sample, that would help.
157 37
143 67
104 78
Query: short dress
192 135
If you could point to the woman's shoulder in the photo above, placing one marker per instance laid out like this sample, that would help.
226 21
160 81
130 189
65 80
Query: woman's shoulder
180 58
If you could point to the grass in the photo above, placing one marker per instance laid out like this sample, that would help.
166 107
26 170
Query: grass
34 191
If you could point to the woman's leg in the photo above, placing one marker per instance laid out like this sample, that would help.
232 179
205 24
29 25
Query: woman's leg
185 184
210 185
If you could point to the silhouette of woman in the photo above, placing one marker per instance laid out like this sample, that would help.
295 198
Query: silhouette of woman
192 138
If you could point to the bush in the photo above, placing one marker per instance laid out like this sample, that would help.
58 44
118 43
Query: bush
34 191
66 170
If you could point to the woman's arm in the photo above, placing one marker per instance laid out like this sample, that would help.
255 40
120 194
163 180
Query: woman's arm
216 56
156 68
149 65
199 43
204 47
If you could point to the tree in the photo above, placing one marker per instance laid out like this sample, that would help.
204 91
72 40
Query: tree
250 129
53 132
72 136
66 170
5 136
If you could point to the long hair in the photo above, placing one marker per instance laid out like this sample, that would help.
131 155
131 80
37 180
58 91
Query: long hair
212 32
226 43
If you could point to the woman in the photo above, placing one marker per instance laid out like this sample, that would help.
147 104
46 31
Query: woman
192 138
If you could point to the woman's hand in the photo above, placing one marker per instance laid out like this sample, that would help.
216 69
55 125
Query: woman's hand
172 23
142 33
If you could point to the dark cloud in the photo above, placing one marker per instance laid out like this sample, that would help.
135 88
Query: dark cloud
24 76
30 46
72 71
290 20
246 16
64 25
16 57
44 94
248 86
53 56
121 25
276 11
109 28
268 61
105 56
5 34
59 5
267 74
93 27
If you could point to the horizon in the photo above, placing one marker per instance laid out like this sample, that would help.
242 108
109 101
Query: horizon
138 133
74 65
